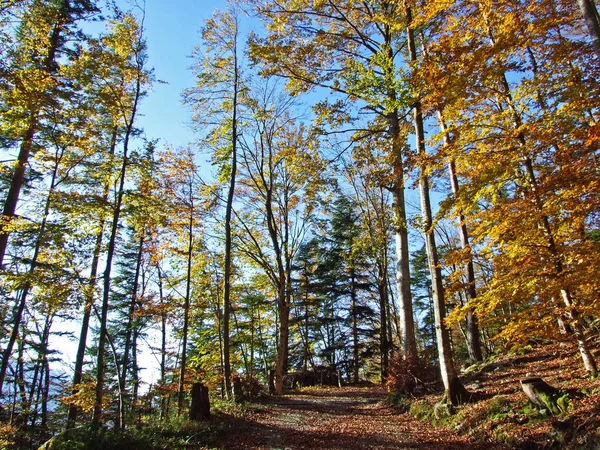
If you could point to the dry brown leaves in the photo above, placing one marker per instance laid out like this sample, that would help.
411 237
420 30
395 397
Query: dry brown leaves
358 418
334 418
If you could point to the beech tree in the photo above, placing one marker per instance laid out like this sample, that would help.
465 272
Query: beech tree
35 83
351 50
218 92
513 193
455 391
281 172
125 81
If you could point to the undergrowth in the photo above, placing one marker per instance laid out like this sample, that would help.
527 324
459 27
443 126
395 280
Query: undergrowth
174 434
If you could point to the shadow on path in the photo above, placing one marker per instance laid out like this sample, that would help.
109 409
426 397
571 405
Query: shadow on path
346 418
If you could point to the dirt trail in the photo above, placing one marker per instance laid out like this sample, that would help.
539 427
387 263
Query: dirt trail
346 418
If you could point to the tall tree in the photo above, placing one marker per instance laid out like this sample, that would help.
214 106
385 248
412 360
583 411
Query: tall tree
219 87
282 176
455 391
182 197
346 276
126 80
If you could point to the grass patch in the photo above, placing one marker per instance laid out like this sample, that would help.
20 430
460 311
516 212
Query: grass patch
399 401
422 410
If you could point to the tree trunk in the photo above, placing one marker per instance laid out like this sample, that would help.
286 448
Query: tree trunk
590 15
283 307
85 325
408 344
110 251
89 297
282 347
473 335
578 331
100 369
228 211
20 381
251 372
384 342
135 369
186 315
37 381
45 397
10 205
163 345
355 349
200 408
541 394
455 391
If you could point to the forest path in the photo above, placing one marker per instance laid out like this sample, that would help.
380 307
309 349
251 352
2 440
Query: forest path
338 418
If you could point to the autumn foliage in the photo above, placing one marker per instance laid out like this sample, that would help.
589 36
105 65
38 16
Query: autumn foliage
388 190
412 378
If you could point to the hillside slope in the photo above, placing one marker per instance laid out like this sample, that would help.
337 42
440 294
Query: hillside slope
500 411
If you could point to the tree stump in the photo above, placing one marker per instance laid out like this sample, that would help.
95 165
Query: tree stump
541 394
238 395
200 407
271 381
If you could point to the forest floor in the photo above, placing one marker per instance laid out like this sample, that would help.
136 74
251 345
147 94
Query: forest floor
498 417
338 418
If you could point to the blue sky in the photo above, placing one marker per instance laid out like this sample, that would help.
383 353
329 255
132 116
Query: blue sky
172 30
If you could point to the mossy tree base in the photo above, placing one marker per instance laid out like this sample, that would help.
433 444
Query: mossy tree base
456 394
542 395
